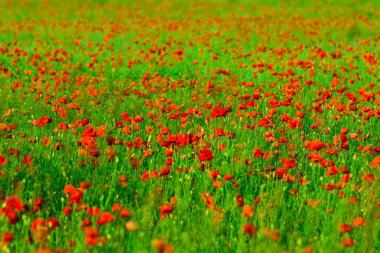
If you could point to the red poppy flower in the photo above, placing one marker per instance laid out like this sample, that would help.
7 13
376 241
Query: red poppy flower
220 112
83 122
3 160
332 171
247 211
263 122
42 121
11 215
281 172
165 210
258 153
125 213
89 132
88 141
138 119
315 157
348 242
249 229
228 177
131 226
8 237
27 160
289 164
14 202
75 194
240 200
67 210
52 223
94 211
220 131
214 174
169 161
161 246
106 217
125 116
91 236
86 222
69 189
217 184
205 155
314 145
63 126
345 228
39 222
165 171
376 162
358 222
145 176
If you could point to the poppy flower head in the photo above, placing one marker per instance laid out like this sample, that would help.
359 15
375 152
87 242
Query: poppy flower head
248 211
249 229
220 112
358 222
8 237
165 210
106 217
161 246
3 160
205 155
314 145
91 236
14 202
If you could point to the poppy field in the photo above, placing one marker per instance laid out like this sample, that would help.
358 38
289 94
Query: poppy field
189 126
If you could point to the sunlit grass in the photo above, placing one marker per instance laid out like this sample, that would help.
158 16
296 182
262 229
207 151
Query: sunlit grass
215 126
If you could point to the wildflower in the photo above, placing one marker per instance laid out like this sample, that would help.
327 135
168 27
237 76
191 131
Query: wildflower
220 112
249 229
91 236
358 222
314 145
8 237
345 228
39 222
289 164
3 160
131 226
375 162
348 242
161 246
205 155
125 213
165 210
248 211
14 202
27 160
52 223
106 217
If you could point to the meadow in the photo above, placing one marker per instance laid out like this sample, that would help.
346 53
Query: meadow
189 126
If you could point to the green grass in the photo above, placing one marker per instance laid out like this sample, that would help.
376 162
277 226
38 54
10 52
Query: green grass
128 52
